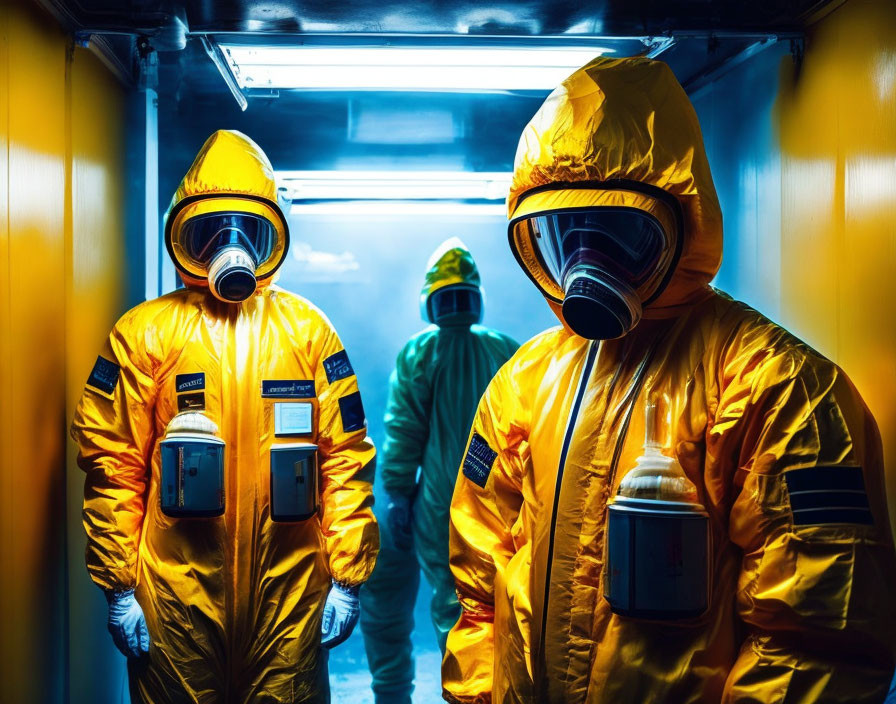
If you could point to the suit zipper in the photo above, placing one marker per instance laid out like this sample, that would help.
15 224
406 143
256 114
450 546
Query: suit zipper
639 378
570 428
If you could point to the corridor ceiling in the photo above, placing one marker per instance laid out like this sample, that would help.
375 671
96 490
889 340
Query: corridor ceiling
169 46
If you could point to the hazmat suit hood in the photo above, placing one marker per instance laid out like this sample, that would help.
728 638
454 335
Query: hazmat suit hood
451 264
230 173
622 132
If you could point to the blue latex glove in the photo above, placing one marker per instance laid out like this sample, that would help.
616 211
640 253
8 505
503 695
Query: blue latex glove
340 615
127 624
399 517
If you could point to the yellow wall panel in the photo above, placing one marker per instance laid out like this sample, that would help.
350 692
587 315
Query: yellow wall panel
838 259
811 232
7 604
61 232
34 559
93 303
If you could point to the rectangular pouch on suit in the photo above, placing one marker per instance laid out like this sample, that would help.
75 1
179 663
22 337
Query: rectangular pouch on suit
294 482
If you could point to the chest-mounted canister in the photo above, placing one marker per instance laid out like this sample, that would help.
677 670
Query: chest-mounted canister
658 539
192 457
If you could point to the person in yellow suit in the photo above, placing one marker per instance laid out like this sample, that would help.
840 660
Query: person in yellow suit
756 563
228 499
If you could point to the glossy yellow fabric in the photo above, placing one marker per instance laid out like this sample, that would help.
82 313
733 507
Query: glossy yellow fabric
799 613
233 603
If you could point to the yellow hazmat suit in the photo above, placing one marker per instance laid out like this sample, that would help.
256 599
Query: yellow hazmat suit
233 603
801 606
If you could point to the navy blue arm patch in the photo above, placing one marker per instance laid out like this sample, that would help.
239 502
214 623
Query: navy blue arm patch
828 494
104 376
338 367
352 411
479 460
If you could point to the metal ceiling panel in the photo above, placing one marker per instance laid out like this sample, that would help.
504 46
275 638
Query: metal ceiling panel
532 17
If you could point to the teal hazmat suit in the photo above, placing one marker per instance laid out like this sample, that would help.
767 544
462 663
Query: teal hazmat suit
439 376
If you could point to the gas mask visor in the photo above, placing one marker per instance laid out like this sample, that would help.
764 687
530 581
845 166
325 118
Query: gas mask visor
456 305
599 262
204 235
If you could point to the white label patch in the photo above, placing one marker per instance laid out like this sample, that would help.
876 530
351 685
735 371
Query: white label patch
293 418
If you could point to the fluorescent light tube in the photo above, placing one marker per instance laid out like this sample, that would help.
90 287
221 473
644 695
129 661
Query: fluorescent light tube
401 68
392 208
395 185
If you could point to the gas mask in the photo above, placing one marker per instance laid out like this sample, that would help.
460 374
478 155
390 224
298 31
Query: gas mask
458 305
233 243
604 263
230 247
